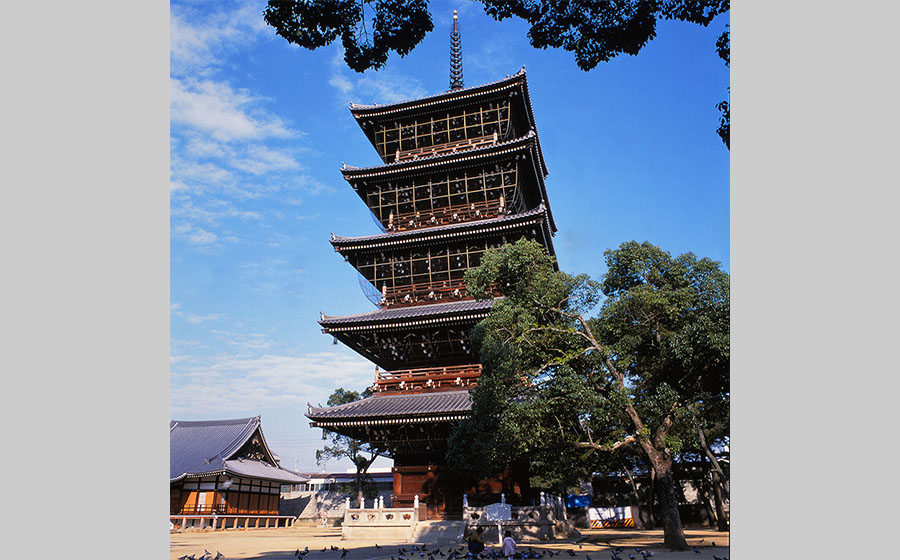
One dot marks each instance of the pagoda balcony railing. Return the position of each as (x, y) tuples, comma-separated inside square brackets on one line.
[(446, 215), (424, 379), (423, 293), (446, 148)]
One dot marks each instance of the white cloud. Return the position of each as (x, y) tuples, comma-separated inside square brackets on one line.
[(197, 44), (224, 113), (197, 319), (234, 384), (386, 85)]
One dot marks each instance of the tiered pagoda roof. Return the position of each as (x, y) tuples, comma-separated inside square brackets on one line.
[(513, 87), (416, 423), (538, 217)]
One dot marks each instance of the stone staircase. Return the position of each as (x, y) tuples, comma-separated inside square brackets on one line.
[(441, 533)]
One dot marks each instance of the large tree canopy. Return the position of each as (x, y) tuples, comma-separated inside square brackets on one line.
[(594, 31), (573, 394)]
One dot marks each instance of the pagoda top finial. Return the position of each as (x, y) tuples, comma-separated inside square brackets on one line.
[(456, 79)]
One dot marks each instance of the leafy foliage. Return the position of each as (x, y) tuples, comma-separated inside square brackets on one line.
[(395, 25), (594, 31), (599, 30), (560, 389), (723, 47)]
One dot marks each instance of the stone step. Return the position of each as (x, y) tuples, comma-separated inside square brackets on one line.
[(438, 532)]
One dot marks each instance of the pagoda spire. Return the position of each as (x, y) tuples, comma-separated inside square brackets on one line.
[(456, 79)]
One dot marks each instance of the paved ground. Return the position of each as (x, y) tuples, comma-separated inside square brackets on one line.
[(280, 544)]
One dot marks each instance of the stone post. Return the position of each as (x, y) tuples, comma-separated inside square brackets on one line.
[(347, 504), (543, 499), (380, 502), (502, 498), (465, 501), (416, 502)]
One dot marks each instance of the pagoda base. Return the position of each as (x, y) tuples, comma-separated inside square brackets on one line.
[(440, 490)]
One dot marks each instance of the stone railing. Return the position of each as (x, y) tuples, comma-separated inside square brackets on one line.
[(230, 521), (379, 522), (545, 521)]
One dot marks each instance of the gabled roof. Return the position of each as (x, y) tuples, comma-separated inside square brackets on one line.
[(365, 113), (395, 409), (463, 229), (408, 316), (361, 111), (209, 447)]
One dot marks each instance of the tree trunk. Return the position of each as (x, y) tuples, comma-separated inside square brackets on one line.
[(673, 531), (636, 507), (359, 489), (651, 497), (721, 520), (710, 456)]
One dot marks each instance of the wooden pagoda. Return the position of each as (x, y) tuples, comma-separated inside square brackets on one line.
[(462, 172)]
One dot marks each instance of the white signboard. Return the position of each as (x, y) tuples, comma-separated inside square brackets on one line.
[(608, 514), (497, 512)]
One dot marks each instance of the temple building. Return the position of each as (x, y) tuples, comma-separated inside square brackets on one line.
[(224, 467), (462, 172)]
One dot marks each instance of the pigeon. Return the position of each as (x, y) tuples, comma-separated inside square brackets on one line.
[(631, 557), (344, 553), (571, 552), (588, 557), (696, 550), (579, 546), (219, 556), (714, 543), (334, 548), (376, 546)]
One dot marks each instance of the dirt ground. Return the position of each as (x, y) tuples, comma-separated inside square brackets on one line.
[(280, 544)]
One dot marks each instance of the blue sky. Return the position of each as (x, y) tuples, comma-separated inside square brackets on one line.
[(259, 129)]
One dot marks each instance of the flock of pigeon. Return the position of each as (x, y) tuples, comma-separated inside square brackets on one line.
[(207, 555), (461, 554)]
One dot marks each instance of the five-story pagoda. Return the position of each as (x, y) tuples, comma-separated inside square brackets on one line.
[(463, 172)]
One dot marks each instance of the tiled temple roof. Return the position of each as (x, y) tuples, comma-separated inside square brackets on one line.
[(527, 142), (406, 165), (395, 409), (408, 316), (392, 239), (208, 447), (362, 113)]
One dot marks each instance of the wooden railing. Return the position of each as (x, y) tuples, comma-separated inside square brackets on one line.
[(218, 509), (423, 379), (447, 148), (423, 293), (446, 215)]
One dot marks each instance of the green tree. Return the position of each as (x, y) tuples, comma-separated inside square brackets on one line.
[(361, 454), (594, 31), (560, 388), (723, 47)]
